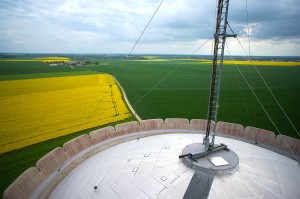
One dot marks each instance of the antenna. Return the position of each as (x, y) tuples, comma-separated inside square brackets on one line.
[(219, 159), (218, 56)]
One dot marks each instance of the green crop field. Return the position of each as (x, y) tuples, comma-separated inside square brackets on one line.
[(184, 92), (171, 88)]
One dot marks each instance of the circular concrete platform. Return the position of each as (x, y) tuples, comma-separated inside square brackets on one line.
[(217, 162), (150, 168)]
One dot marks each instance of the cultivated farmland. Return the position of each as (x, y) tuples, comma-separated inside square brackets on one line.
[(182, 92), (35, 110)]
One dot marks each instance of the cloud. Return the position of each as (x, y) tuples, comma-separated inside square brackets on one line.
[(267, 19), (94, 26)]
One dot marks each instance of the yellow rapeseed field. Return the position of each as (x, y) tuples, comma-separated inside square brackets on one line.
[(36, 110), (263, 63), (259, 63), (43, 59), (53, 59)]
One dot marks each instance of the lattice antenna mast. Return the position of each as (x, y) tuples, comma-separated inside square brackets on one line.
[(218, 56)]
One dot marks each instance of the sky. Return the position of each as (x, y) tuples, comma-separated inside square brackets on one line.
[(179, 27)]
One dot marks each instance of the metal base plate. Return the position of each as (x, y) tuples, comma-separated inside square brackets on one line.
[(218, 161), (207, 163)]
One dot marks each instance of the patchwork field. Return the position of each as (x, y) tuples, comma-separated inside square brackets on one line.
[(36, 110), (156, 87)]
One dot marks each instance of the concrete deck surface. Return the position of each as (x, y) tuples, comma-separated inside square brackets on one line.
[(150, 168)]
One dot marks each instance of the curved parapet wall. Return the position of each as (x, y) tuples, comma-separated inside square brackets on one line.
[(52, 161), (198, 124), (287, 143), (126, 128), (78, 144), (25, 184), (152, 124), (102, 134), (29, 181), (177, 123), (261, 136), (232, 129)]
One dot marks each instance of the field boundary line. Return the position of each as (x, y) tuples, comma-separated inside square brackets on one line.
[(126, 100)]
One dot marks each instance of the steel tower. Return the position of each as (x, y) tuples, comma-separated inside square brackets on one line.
[(218, 56)]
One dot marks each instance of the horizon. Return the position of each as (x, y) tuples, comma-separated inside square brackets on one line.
[(141, 54)]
